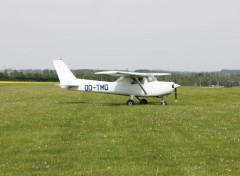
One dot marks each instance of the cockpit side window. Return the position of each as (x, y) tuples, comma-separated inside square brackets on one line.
[(141, 80), (134, 81)]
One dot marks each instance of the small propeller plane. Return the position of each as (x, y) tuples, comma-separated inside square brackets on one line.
[(133, 84)]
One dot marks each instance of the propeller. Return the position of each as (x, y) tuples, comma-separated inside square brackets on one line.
[(175, 89)]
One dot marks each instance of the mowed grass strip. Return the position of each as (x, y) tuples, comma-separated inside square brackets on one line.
[(45, 130)]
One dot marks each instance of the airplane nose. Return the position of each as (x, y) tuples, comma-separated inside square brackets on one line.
[(175, 85)]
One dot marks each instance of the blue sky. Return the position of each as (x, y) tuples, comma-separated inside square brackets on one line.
[(181, 35)]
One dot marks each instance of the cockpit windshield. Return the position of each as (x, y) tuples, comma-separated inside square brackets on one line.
[(151, 78)]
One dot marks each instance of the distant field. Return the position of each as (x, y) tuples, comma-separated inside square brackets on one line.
[(45, 130), (25, 82)]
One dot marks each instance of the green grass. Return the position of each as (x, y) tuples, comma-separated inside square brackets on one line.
[(45, 130)]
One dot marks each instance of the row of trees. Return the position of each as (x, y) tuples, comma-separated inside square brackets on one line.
[(206, 80), (184, 79), (41, 76)]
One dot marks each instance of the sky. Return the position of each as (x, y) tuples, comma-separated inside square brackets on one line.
[(174, 35)]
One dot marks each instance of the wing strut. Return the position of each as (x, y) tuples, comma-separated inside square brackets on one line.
[(140, 85)]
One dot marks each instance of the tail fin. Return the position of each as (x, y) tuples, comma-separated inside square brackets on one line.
[(65, 76)]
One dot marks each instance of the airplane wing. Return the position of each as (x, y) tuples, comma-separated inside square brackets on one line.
[(123, 73)]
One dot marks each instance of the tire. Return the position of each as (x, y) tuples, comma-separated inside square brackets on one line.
[(130, 102), (143, 101)]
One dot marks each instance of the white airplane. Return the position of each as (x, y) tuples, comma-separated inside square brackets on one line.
[(131, 84)]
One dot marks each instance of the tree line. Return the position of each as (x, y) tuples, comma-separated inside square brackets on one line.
[(209, 79), (39, 76)]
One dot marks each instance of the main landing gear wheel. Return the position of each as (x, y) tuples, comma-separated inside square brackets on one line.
[(143, 101), (130, 102)]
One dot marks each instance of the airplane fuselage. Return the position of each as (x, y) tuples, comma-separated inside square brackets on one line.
[(124, 87)]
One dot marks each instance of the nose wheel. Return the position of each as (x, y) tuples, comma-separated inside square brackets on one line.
[(163, 103)]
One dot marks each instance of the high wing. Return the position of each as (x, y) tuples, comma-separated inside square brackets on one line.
[(123, 73)]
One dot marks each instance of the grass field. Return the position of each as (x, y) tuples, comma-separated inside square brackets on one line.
[(45, 130)]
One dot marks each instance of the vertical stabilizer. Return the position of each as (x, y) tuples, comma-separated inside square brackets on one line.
[(65, 75)]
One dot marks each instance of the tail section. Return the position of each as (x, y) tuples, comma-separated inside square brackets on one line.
[(65, 75)]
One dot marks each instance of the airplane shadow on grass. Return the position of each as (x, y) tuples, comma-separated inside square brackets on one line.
[(93, 103), (107, 104)]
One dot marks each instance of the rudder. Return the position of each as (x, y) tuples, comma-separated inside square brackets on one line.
[(65, 75)]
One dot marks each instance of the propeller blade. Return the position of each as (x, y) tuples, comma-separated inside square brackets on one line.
[(175, 95)]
